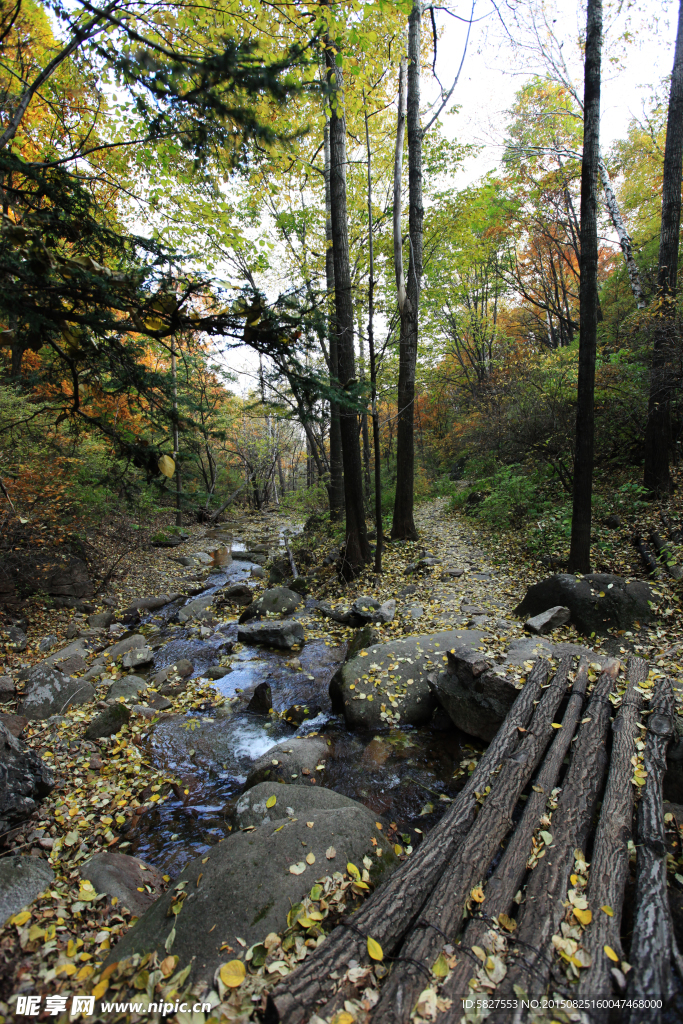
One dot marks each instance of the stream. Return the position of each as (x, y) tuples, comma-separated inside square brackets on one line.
[(405, 774)]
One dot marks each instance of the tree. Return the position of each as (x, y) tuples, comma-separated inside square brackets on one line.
[(579, 554), (656, 476)]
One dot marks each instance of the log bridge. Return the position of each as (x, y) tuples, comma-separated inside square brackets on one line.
[(546, 877)]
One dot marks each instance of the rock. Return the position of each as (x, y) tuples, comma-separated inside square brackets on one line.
[(49, 692), (157, 701), (290, 802), (475, 697), (184, 667), (300, 713), (138, 657), (407, 591), (415, 611), (217, 671), (25, 779), (129, 643), (411, 703), (173, 689), (196, 609), (291, 761), (450, 570), (21, 880), (150, 604), (47, 643), (528, 649), (240, 593), (284, 634), (366, 636), (16, 638), (342, 615), (613, 522), (673, 778), (367, 609), (276, 601), (14, 723), (258, 573), (101, 620), (127, 686), (261, 702), (424, 563), (620, 605), (108, 722), (246, 888), (567, 650), (547, 621), (7, 687), (70, 666), (122, 876)]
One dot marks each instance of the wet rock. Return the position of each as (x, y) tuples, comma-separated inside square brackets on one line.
[(157, 701), (102, 620), (47, 643), (246, 888), (217, 671), (290, 802), (196, 609), (261, 702), (7, 687), (173, 689), (276, 601), (127, 686), (122, 876), (21, 880), (293, 761), (476, 698), (284, 634), (300, 713), (138, 657), (547, 621), (129, 643), (365, 637), (597, 602), (150, 604), (240, 593), (402, 670), (108, 722), (342, 615), (50, 692), (14, 723), (184, 667), (16, 638), (25, 779)]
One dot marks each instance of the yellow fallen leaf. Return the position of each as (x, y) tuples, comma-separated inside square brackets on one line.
[(100, 988), (440, 968), (233, 973), (611, 954), (584, 916), (507, 923), (353, 871), (310, 858), (608, 910), (343, 1017), (21, 918), (574, 879), (398, 849), (271, 801), (557, 725), (477, 894), (374, 949)]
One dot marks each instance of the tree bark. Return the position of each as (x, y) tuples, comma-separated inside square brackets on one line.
[(579, 553), (336, 460), (379, 543), (656, 477), (356, 547), (403, 526), (390, 912), (623, 235)]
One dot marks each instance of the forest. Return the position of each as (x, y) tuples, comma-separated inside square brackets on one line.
[(331, 331)]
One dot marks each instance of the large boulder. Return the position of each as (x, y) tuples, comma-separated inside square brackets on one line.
[(127, 686), (255, 807), (295, 761), (25, 779), (597, 602), (135, 884), (139, 657), (285, 634), (21, 880), (197, 609), (243, 888), (49, 692), (388, 683), (476, 697), (65, 655), (277, 601)]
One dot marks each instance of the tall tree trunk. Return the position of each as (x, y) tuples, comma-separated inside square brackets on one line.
[(364, 415), (373, 361), (656, 477), (356, 548), (579, 553), (403, 525), (336, 463), (623, 235)]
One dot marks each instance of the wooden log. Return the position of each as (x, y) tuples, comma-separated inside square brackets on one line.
[(390, 912), (648, 559), (442, 916), (652, 942), (666, 556), (507, 879), (530, 959), (609, 863)]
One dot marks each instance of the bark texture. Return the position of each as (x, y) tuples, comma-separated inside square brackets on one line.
[(623, 235), (579, 553), (336, 490)]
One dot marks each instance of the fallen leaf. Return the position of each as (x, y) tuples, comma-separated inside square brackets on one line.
[(584, 916), (440, 968), (374, 949), (477, 894), (611, 954), (233, 973), (353, 871), (310, 858), (608, 911), (271, 801), (330, 853), (297, 869)]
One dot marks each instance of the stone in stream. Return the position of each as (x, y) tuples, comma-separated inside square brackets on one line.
[(255, 807), (401, 667), (108, 722), (21, 880), (476, 698), (49, 692), (196, 609), (276, 601), (25, 779), (547, 621), (150, 604), (261, 702), (127, 644), (366, 636), (122, 876), (300, 713), (597, 602), (285, 634), (127, 686), (239, 593), (246, 888), (294, 761), (139, 657)]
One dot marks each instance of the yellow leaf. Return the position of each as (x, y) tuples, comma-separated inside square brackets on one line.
[(310, 858), (166, 466), (353, 871), (85, 973), (477, 894), (100, 989), (557, 725), (608, 910), (611, 954), (398, 849), (233, 973), (21, 918), (374, 949), (574, 879), (440, 968), (343, 1018), (584, 916), (70, 948), (271, 801), (507, 923)]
